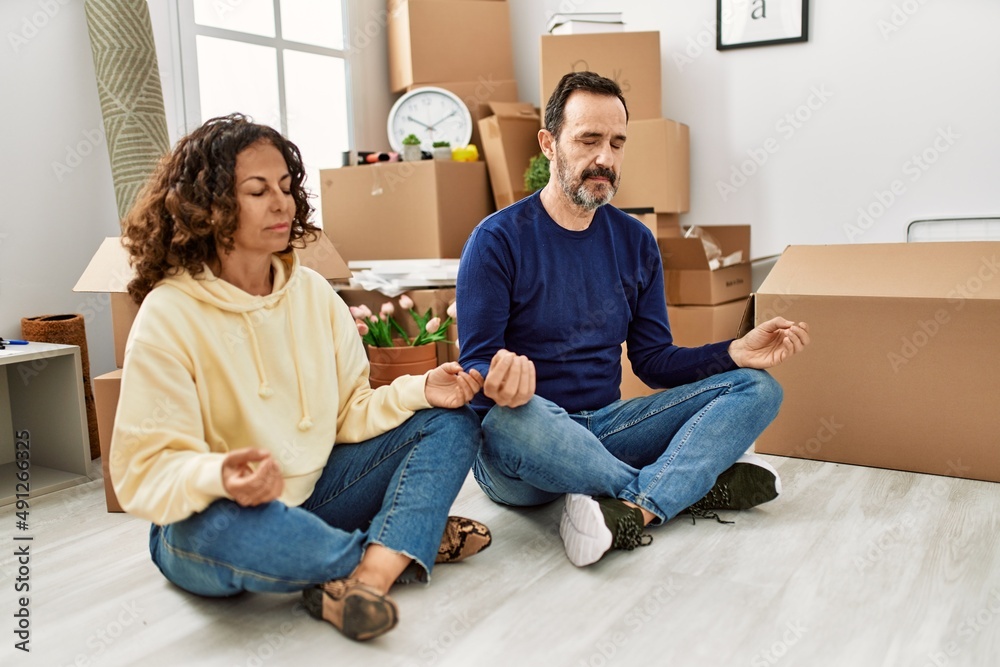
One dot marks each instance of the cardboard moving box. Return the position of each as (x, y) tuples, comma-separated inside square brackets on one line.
[(632, 59), (693, 326), (404, 210), (448, 40), (107, 389), (663, 225), (902, 369), (510, 140), (656, 172), (690, 281), (109, 272)]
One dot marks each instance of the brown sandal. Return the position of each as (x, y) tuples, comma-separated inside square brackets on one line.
[(359, 611)]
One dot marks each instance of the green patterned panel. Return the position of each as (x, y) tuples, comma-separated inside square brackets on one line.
[(128, 81)]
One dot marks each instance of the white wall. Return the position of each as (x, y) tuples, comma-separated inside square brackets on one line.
[(889, 97), (55, 175)]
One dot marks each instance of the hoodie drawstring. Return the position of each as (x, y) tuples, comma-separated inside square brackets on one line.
[(263, 389)]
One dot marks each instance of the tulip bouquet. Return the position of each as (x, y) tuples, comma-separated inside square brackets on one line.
[(380, 330)]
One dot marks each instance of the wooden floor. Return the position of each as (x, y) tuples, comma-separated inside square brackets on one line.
[(849, 567)]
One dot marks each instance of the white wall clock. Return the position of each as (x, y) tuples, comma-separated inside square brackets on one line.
[(433, 114)]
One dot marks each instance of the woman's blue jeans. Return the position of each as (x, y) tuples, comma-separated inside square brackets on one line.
[(394, 490), (662, 452)]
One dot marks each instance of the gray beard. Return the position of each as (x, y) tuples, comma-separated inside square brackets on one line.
[(579, 194)]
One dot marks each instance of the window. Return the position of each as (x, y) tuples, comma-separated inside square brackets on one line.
[(282, 62)]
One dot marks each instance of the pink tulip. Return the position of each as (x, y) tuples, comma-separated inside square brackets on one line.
[(405, 302), (357, 313), (433, 324), (365, 311), (452, 311), (362, 328), (373, 319), (387, 309)]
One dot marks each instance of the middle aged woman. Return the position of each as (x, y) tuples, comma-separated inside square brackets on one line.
[(247, 432)]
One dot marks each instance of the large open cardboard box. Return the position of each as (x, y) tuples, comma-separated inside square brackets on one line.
[(448, 40), (510, 140), (109, 272), (690, 281), (656, 172), (903, 365), (632, 59)]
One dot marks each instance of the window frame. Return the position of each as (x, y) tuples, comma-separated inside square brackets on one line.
[(184, 33)]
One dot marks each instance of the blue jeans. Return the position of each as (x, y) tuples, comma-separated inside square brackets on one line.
[(662, 452), (394, 490)]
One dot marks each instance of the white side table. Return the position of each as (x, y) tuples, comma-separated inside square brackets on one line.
[(41, 392)]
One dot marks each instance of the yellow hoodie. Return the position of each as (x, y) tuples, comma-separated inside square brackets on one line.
[(210, 369)]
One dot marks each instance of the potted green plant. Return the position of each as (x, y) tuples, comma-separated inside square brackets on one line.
[(537, 173), (391, 352), (411, 148), (442, 150)]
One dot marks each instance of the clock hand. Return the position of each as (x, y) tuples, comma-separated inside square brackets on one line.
[(441, 120), (414, 120)]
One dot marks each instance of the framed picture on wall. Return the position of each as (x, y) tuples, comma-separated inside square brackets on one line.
[(743, 23)]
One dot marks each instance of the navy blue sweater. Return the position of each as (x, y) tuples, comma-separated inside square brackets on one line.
[(567, 300)]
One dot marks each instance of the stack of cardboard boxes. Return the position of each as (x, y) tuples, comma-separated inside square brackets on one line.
[(109, 273), (463, 46), (426, 209), (703, 306)]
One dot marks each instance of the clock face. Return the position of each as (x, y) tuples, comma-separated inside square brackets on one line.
[(433, 114)]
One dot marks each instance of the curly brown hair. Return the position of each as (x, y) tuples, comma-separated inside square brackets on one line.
[(187, 210)]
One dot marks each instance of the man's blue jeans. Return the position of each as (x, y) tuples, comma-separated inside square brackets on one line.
[(394, 490), (662, 452)]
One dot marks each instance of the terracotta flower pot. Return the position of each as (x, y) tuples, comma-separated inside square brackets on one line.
[(388, 363)]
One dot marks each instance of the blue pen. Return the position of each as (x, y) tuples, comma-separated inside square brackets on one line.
[(4, 341)]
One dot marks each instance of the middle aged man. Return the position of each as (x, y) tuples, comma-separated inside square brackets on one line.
[(548, 289)]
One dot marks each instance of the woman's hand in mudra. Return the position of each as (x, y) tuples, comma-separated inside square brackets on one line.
[(250, 485), (448, 386)]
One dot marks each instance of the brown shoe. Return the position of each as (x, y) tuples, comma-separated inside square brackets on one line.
[(462, 538), (356, 609)]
